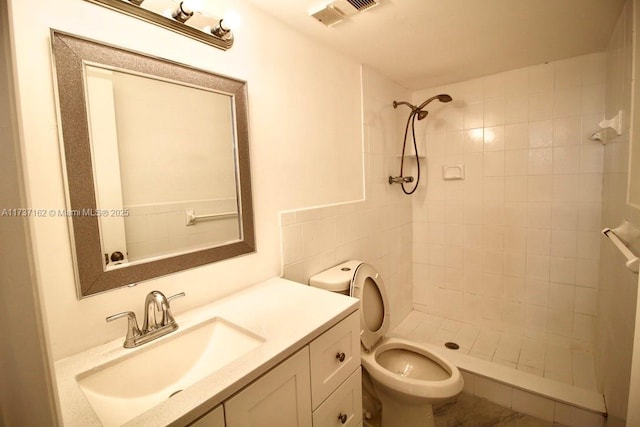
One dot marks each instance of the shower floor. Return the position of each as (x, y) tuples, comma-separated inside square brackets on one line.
[(547, 368)]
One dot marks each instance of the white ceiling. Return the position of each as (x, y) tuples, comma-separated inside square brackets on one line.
[(426, 43)]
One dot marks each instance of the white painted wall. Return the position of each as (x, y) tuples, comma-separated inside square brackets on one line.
[(306, 148), (25, 365), (376, 230)]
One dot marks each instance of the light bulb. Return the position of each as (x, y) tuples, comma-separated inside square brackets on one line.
[(185, 10), (225, 26), (231, 20), (190, 6)]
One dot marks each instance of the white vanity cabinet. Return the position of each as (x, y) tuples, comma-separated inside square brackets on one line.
[(319, 386), (279, 398), (336, 379), (334, 356), (344, 405)]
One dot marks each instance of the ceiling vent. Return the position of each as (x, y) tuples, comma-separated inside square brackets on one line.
[(362, 5), (336, 11), (328, 16)]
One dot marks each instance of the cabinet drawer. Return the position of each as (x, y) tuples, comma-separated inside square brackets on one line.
[(344, 407), (334, 355)]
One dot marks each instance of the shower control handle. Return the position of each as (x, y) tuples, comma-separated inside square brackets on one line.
[(340, 356), (342, 418), (400, 179)]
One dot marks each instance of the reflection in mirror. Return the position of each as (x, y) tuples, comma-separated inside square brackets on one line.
[(189, 164), (157, 164)]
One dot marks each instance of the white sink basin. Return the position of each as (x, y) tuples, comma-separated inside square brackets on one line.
[(126, 387)]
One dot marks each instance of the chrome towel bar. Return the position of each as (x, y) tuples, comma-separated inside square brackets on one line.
[(191, 216), (632, 259)]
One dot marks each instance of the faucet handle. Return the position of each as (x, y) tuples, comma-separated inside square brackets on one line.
[(172, 297), (133, 331)]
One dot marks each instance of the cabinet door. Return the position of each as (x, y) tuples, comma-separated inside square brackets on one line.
[(214, 418), (334, 356), (281, 397), (344, 406)]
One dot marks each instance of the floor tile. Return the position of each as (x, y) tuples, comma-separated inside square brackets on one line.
[(508, 348), (546, 356), (472, 411)]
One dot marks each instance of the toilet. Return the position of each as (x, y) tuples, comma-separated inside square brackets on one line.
[(406, 377)]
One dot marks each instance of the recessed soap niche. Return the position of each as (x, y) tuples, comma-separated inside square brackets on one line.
[(453, 172)]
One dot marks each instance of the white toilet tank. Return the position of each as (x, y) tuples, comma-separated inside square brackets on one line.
[(336, 279)]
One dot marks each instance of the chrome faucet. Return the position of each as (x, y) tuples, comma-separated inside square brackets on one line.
[(157, 313), (158, 320)]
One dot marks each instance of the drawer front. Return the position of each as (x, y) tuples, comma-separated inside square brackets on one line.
[(343, 408), (334, 356)]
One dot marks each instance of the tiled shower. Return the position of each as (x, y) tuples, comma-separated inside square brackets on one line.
[(515, 245)]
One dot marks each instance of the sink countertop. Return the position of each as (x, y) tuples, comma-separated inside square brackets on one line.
[(286, 314)]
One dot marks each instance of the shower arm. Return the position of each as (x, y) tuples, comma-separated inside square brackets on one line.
[(396, 104)]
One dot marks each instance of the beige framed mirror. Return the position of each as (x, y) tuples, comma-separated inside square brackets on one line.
[(156, 164)]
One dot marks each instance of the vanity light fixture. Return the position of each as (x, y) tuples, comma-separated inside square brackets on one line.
[(185, 17)]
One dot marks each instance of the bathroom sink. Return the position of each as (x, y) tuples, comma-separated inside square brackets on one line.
[(128, 386)]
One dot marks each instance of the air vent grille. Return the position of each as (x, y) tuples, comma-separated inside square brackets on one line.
[(338, 10), (362, 4), (328, 16)]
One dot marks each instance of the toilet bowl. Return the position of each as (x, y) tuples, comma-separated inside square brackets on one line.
[(406, 377)]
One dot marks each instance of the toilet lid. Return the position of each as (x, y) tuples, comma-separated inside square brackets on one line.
[(367, 286)]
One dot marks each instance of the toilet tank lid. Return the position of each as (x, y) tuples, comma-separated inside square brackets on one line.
[(336, 279)]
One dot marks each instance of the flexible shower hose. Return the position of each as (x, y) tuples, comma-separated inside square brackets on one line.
[(411, 120)]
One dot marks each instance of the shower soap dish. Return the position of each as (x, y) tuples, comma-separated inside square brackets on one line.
[(614, 123), (452, 172)]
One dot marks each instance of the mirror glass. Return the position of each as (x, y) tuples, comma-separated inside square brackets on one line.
[(157, 168), (188, 165)]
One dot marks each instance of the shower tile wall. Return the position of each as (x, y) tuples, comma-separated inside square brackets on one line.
[(514, 247), (376, 230)]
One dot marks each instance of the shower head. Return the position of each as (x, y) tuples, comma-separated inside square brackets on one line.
[(442, 98), (419, 110)]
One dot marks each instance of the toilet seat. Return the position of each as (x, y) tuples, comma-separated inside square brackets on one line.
[(368, 287), (433, 389)]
